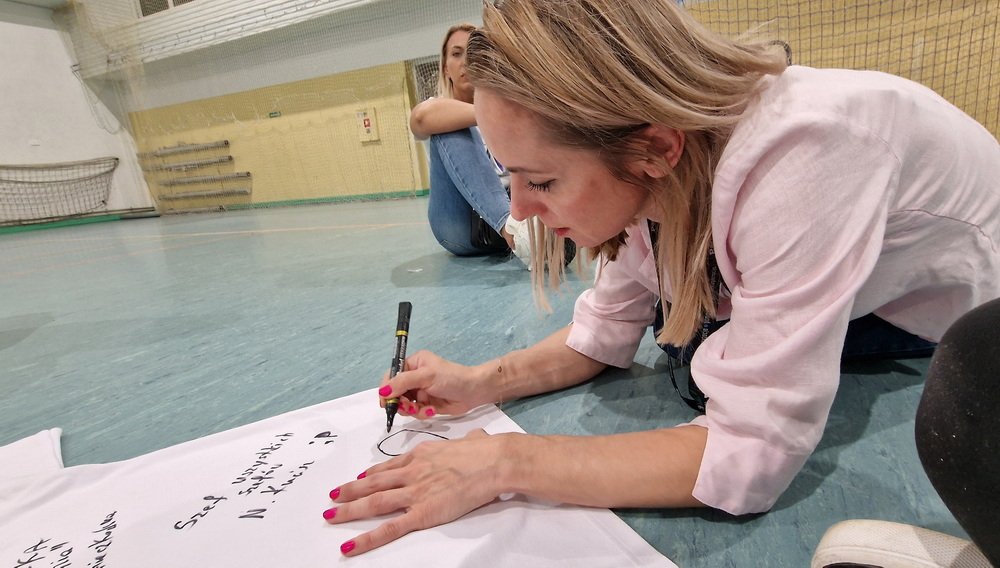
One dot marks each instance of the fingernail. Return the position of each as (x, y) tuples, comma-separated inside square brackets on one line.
[(430, 412), (385, 391), (330, 513), (362, 475), (413, 409), (335, 493), (347, 546)]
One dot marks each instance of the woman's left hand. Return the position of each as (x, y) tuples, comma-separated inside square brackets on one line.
[(435, 483)]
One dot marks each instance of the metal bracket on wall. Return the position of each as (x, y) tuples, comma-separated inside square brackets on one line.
[(210, 193), (187, 166), (204, 179), (183, 149)]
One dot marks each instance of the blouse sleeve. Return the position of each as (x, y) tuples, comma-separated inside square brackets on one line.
[(610, 318), (805, 231)]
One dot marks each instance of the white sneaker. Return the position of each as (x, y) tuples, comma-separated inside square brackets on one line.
[(522, 241), (894, 545)]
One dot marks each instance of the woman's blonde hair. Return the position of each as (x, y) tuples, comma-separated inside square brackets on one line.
[(596, 72), (445, 87)]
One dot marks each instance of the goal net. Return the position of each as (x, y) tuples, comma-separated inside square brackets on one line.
[(251, 103), (38, 192)]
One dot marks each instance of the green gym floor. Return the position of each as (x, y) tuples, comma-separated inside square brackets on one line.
[(135, 335)]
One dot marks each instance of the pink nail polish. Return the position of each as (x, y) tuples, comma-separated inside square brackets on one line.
[(362, 475), (347, 546), (330, 513), (430, 412), (385, 391), (334, 494), (413, 409)]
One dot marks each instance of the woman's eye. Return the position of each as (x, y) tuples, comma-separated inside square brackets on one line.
[(544, 186)]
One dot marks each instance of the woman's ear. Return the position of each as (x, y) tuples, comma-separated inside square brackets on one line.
[(663, 142)]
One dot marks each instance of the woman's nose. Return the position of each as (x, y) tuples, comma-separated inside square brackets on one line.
[(523, 202)]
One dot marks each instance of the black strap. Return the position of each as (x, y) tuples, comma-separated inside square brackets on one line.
[(696, 399)]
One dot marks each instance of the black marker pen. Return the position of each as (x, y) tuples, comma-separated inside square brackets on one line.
[(398, 359)]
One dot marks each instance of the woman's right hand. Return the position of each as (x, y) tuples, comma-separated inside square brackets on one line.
[(431, 385)]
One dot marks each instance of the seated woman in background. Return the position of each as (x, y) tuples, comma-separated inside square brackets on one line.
[(469, 208)]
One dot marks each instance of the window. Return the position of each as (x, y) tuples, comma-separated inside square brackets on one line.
[(149, 7), (425, 77)]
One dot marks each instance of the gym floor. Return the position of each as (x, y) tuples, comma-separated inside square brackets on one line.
[(140, 334)]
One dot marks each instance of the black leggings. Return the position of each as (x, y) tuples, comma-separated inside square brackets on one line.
[(868, 337), (958, 425)]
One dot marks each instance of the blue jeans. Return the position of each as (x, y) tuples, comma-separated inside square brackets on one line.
[(466, 198)]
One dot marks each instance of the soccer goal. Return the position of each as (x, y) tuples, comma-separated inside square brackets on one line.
[(43, 192)]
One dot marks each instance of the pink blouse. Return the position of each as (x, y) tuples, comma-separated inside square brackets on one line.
[(841, 193)]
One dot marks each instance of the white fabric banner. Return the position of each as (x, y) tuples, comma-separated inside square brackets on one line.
[(254, 496)]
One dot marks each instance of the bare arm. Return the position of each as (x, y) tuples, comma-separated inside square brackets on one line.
[(546, 366), (639, 469), (656, 468), (438, 115), (431, 385)]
